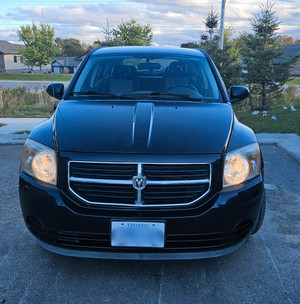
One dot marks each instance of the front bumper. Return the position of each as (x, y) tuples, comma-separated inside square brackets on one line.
[(216, 226), (142, 256)]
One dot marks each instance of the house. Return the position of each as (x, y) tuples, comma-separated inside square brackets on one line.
[(289, 51), (11, 60), (66, 65), (80, 58)]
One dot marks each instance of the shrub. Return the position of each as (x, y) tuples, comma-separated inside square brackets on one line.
[(21, 102), (291, 97)]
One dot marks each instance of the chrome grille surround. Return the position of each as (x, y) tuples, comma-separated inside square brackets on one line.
[(138, 201)]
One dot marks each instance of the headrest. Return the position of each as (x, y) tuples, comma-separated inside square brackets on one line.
[(177, 69), (121, 72)]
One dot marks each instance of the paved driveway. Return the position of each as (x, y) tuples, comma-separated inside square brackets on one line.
[(265, 270)]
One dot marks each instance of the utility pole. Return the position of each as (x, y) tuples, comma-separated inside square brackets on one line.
[(222, 25)]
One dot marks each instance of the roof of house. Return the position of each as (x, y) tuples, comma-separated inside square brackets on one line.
[(65, 61), (292, 49), (289, 51), (9, 48), (80, 58)]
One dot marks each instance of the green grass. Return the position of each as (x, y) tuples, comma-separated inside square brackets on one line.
[(22, 132), (35, 77), (286, 122), (294, 81), (29, 112), (19, 102)]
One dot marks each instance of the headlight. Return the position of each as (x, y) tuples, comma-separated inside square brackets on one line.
[(241, 164), (39, 161)]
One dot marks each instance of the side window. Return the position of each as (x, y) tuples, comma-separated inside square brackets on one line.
[(96, 76), (92, 77), (82, 83), (15, 59), (208, 86)]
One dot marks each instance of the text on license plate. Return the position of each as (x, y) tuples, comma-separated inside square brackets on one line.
[(137, 234)]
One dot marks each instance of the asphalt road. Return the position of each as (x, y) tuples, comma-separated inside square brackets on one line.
[(265, 270)]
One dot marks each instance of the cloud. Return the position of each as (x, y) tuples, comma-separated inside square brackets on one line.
[(288, 12), (173, 22), (9, 35)]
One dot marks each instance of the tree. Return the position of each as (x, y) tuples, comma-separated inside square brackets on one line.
[(211, 23), (132, 33), (108, 36), (260, 54), (70, 47), (190, 45), (126, 33), (39, 44), (227, 60), (285, 40)]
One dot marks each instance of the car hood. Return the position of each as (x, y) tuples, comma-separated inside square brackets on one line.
[(142, 127)]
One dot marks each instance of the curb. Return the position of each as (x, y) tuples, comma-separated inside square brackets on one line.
[(288, 142), (13, 139)]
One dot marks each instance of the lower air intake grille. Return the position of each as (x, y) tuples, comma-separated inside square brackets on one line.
[(173, 243)]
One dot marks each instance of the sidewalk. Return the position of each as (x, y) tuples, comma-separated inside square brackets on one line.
[(288, 142), (17, 125)]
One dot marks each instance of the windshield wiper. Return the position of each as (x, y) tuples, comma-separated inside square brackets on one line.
[(137, 95), (163, 95), (184, 96), (101, 95)]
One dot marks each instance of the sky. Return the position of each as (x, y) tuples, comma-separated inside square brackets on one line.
[(172, 21)]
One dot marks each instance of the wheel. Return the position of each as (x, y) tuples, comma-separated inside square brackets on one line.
[(261, 214)]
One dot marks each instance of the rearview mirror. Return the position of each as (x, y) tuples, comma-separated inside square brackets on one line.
[(56, 90), (238, 93)]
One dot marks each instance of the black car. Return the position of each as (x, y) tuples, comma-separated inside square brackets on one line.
[(143, 159)]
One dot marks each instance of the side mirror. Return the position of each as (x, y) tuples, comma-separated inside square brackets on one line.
[(56, 90), (238, 93)]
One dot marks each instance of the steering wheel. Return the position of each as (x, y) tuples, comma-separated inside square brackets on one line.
[(186, 85)]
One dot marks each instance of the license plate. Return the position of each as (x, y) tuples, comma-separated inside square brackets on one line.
[(137, 234)]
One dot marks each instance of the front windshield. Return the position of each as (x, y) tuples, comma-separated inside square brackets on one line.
[(153, 75)]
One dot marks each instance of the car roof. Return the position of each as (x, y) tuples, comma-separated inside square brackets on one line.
[(147, 49)]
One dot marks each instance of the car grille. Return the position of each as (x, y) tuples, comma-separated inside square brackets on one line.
[(139, 184), (173, 242)]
